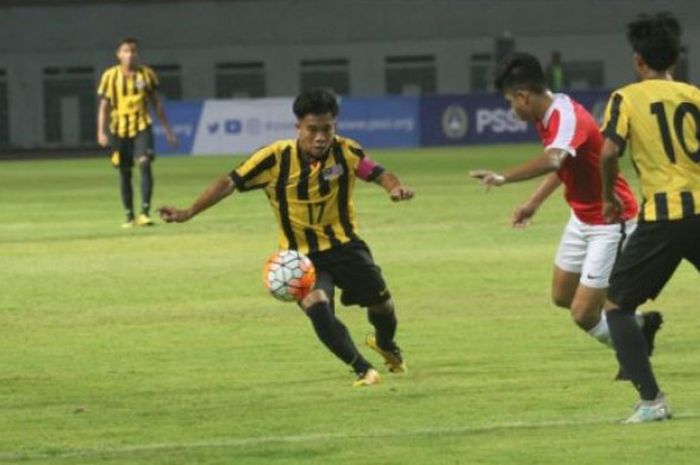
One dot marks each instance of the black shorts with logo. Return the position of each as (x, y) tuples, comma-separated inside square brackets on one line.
[(130, 148), (652, 254), (351, 268)]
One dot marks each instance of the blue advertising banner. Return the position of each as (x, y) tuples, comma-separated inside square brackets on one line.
[(485, 118), (239, 126), (184, 119), (470, 119), (381, 122)]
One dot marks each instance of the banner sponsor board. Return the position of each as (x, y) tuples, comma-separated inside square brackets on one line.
[(381, 122), (184, 119), (242, 126), (485, 118)]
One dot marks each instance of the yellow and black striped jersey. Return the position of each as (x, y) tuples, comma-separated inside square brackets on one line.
[(659, 120), (128, 97), (312, 199)]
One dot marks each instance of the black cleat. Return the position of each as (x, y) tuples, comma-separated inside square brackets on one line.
[(652, 325)]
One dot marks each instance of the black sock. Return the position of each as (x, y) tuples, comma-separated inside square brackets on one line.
[(335, 336), (127, 192), (385, 328), (631, 349), (146, 187)]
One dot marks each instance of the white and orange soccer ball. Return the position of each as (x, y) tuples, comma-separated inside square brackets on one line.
[(289, 275)]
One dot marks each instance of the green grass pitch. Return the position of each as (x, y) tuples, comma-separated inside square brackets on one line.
[(160, 346)]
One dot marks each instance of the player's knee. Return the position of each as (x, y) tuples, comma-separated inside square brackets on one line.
[(560, 300), (585, 314), (385, 307), (314, 297)]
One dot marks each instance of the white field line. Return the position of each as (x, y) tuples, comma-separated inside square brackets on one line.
[(233, 442)]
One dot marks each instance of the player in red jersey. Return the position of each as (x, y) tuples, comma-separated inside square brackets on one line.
[(572, 144)]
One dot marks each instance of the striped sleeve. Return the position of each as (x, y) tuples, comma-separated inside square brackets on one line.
[(151, 77), (616, 121), (256, 171), (104, 88)]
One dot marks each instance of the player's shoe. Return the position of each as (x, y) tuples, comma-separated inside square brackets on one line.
[(392, 358), (368, 378), (652, 325), (144, 220), (650, 410), (128, 224)]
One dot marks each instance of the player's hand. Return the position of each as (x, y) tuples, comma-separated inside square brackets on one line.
[(612, 209), (173, 214), (102, 139), (523, 214), (171, 139), (400, 193), (488, 178)]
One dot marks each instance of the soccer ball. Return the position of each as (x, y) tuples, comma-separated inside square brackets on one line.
[(289, 275)]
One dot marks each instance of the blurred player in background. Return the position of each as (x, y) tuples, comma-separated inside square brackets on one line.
[(309, 182), (660, 121), (572, 143), (126, 92)]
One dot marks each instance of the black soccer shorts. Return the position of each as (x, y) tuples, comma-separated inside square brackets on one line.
[(351, 268), (126, 149), (651, 256)]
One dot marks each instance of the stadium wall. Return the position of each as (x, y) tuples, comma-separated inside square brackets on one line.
[(75, 39)]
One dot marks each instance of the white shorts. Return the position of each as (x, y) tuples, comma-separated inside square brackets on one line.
[(591, 249)]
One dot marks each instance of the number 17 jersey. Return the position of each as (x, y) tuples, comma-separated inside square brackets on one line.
[(312, 199), (659, 121)]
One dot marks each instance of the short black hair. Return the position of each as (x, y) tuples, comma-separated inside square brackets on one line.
[(520, 71), (315, 102), (656, 38), (127, 40)]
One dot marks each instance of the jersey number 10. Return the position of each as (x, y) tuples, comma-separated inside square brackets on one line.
[(682, 110)]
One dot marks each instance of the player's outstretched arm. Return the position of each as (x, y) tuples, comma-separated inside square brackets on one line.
[(548, 162), (524, 213), (217, 190), (391, 183), (609, 169)]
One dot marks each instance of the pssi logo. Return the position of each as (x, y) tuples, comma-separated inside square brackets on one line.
[(499, 121), (455, 122)]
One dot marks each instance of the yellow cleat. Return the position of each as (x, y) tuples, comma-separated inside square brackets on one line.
[(128, 225), (392, 358), (144, 220), (369, 378)]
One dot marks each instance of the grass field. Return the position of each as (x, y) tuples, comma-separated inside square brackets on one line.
[(159, 345)]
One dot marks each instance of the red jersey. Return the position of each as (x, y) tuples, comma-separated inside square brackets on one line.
[(568, 126)]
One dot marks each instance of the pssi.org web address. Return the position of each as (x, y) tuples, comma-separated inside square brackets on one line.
[(381, 124)]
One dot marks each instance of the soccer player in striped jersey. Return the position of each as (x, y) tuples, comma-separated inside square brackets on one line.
[(126, 92), (572, 143), (659, 119), (309, 182)]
